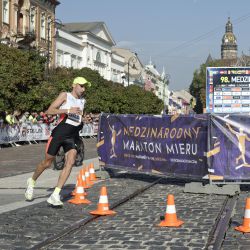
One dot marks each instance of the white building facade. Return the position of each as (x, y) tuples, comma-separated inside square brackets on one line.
[(181, 102), (69, 50), (156, 82), (117, 67), (132, 67), (88, 45)]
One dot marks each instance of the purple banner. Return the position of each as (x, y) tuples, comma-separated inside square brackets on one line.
[(229, 155), (175, 145)]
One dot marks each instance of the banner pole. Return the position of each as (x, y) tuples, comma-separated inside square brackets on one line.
[(209, 145)]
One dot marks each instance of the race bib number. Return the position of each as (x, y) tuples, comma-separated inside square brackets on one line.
[(74, 119)]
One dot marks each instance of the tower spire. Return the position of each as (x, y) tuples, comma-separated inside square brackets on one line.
[(150, 61), (229, 42), (163, 74)]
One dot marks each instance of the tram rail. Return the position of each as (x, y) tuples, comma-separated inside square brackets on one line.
[(81, 223), (214, 241)]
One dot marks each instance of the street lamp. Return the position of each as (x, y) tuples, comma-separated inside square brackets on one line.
[(166, 81), (133, 59), (57, 23)]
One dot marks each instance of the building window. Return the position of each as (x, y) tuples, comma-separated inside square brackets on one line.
[(73, 62), (79, 62), (59, 58), (115, 78), (6, 9), (98, 57), (43, 26), (32, 19), (49, 28)]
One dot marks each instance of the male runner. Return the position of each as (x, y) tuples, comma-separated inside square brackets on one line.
[(70, 108)]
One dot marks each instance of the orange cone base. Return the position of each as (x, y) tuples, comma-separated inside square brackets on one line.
[(108, 212), (243, 229), (78, 201), (74, 193), (94, 179), (171, 224)]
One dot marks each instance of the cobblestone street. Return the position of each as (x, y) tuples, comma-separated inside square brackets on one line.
[(135, 225), (26, 224)]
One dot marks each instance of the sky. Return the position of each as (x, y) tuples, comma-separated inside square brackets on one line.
[(176, 34)]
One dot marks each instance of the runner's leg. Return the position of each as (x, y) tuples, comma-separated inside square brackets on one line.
[(69, 146), (46, 163), (69, 162), (29, 193)]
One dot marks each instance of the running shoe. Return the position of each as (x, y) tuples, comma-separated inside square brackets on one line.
[(54, 200), (30, 190)]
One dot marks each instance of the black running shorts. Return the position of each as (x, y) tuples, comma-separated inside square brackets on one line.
[(54, 145)]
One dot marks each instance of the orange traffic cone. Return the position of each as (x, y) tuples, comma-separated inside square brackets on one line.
[(79, 177), (245, 227), (103, 205), (74, 191), (80, 194), (92, 172), (87, 177), (85, 184), (170, 216), (81, 182)]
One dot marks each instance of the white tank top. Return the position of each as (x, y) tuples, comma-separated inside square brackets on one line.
[(71, 101)]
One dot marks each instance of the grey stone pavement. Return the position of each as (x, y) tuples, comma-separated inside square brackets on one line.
[(17, 165), (23, 159), (234, 239), (26, 224), (135, 225)]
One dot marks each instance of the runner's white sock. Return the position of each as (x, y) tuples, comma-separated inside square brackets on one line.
[(32, 182), (57, 190)]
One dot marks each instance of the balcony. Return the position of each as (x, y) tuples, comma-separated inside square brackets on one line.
[(25, 40)]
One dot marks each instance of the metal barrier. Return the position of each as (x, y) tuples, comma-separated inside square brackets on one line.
[(33, 132)]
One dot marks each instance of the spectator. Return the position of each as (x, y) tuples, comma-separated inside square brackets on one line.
[(24, 117), (17, 115), (30, 118), (40, 117), (2, 117), (35, 115), (9, 118)]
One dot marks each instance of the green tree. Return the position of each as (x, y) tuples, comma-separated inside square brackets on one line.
[(20, 74), (24, 88), (198, 85), (107, 96)]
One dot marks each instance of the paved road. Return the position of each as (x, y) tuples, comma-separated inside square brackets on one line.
[(23, 159), (17, 165), (25, 224), (135, 225), (234, 239)]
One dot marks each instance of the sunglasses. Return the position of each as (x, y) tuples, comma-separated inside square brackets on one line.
[(82, 85)]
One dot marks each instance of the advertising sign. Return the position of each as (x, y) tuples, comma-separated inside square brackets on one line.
[(228, 90), (166, 144), (36, 132), (229, 144)]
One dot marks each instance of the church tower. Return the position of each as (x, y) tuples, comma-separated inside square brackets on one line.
[(229, 43)]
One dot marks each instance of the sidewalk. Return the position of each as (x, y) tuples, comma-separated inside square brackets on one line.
[(12, 188)]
